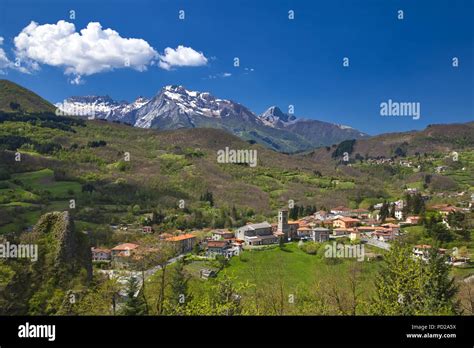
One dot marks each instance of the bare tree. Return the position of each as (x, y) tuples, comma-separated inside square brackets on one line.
[(466, 296), (355, 271)]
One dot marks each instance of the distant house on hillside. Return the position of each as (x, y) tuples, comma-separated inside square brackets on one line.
[(184, 243), (217, 247), (121, 254), (257, 234), (413, 220), (320, 234), (101, 254), (304, 232), (345, 222), (124, 249), (222, 234), (341, 210), (359, 213), (340, 231), (444, 209), (398, 214), (385, 235), (422, 251), (354, 235)]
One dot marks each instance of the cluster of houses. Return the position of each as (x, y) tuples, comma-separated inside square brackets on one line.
[(319, 227), (121, 255), (422, 252), (355, 224)]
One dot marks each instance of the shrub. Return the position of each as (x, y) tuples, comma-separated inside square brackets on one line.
[(97, 143), (310, 247)]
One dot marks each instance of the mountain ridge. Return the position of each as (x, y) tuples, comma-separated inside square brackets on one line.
[(175, 107)]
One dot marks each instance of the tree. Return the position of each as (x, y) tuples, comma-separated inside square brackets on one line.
[(439, 232), (384, 212), (100, 299), (165, 251), (354, 279), (208, 197), (439, 288), (14, 106), (466, 296), (392, 210), (409, 286), (226, 300), (293, 213), (222, 261), (398, 284), (179, 288), (134, 305), (457, 219), (88, 187)]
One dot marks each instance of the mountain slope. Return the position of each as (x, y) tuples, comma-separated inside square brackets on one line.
[(435, 138), (317, 133), (14, 98)]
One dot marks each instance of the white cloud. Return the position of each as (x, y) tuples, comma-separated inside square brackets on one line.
[(220, 75), (90, 51), (181, 56), (4, 61)]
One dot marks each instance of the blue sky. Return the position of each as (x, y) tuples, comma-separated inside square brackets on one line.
[(295, 62)]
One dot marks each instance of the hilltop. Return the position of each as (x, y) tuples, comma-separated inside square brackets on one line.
[(434, 138), (14, 98), (63, 266)]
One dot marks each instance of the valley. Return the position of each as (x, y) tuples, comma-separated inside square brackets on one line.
[(131, 192)]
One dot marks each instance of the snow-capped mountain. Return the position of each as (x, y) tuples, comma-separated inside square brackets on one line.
[(101, 107), (274, 117), (175, 107)]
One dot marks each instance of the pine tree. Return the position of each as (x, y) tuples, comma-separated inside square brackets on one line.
[(293, 214), (392, 211), (134, 304), (384, 212), (179, 288), (439, 288)]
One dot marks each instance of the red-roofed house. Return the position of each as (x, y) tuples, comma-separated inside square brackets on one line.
[(345, 222), (184, 242), (124, 249), (101, 254), (413, 220)]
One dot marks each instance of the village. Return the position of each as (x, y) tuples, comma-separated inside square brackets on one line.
[(353, 226)]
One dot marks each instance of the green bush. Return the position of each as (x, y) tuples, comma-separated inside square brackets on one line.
[(310, 247)]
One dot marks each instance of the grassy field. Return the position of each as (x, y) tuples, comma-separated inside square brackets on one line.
[(21, 201), (297, 271), (296, 268), (44, 180)]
